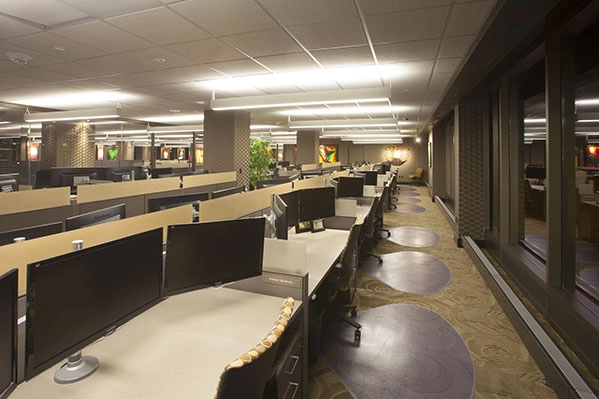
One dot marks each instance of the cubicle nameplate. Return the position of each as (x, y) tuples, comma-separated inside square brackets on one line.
[(278, 279)]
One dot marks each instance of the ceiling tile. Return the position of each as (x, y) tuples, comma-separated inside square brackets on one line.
[(438, 84), (225, 17), (407, 26), (290, 12), (148, 56), (288, 62), (407, 69), (239, 67), (350, 83), (407, 51), (455, 46), (78, 70), (47, 43), (103, 9), (468, 18), (11, 28), (373, 7), (317, 85), (114, 64), (447, 65), (206, 51), (37, 59), (91, 84), (176, 75), (13, 80), (241, 92), (103, 36), (264, 42), (47, 12), (322, 35), (348, 56), (168, 89), (123, 81), (160, 26), (42, 75)]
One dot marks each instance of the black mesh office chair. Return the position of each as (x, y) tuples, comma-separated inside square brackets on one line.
[(392, 189), (381, 208), (339, 282), (369, 235)]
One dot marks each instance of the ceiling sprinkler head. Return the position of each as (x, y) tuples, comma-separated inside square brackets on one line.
[(19, 58)]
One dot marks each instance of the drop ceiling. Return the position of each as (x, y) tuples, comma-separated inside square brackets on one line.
[(156, 57)]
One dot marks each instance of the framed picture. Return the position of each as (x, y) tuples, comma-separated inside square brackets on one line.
[(318, 225), (302, 227)]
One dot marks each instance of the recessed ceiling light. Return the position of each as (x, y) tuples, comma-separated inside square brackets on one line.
[(159, 60), (19, 58), (59, 48)]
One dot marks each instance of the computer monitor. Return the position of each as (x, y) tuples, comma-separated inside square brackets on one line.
[(172, 201), (156, 172), (350, 187), (272, 182), (535, 172), (100, 216), (227, 191), (65, 177), (76, 298), (8, 237), (292, 200), (279, 211), (316, 203), (200, 255), (385, 167), (8, 332)]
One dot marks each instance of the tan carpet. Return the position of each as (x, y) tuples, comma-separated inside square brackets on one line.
[(504, 368)]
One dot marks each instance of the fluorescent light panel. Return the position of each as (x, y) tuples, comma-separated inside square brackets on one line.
[(297, 99), (179, 129), (355, 110), (343, 123), (77, 115)]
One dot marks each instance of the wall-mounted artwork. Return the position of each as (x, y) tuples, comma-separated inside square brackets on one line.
[(593, 156), (327, 153), (397, 154), (113, 151)]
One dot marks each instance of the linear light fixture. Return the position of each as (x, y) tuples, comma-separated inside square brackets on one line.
[(337, 133), (381, 122), (176, 129), (75, 115), (375, 141), (307, 98)]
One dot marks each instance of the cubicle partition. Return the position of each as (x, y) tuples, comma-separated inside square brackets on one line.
[(18, 255), (211, 178)]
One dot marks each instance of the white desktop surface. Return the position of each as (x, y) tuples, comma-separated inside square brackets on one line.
[(322, 250), (177, 349)]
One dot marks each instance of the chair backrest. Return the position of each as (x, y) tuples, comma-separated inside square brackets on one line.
[(348, 261), (384, 201), (246, 376), (368, 226), (419, 172)]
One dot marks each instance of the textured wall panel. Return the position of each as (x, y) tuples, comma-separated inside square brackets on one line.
[(67, 145), (227, 143), (439, 181), (470, 198), (307, 146)]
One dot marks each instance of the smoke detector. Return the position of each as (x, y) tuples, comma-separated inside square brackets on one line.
[(19, 58)]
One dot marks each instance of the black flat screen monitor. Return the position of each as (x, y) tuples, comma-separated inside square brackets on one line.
[(8, 332), (227, 191), (279, 208), (200, 255), (76, 298), (535, 172), (316, 203), (292, 200), (100, 216), (7, 237), (350, 187), (385, 167), (156, 172), (371, 178), (162, 203)]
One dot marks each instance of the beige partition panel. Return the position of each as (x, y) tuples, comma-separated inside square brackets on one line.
[(18, 255), (101, 192), (210, 178), (331, 165), (314, 182), (310, 166), (341, 173), (31, 200), (237, 205)]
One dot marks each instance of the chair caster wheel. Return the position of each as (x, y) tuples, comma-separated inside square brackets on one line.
[(358, 335), (388, 234), (380, 261), (353, 313)]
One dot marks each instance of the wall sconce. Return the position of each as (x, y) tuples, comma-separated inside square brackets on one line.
[(32, 150)]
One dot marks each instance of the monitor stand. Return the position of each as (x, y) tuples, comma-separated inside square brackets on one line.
[(76, 368)]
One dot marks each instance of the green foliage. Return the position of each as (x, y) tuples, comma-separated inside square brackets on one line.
[(260, 157)]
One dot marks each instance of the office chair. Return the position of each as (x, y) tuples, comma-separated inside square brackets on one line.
[(417, 176), (369, 233), (392, 188), (339, 282), (252, 375), (380, 210)]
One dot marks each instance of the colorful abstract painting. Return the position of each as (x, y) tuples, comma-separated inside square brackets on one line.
[(327, 153), (113, 152), (593, 156)]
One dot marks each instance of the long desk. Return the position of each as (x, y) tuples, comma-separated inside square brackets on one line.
[(177, 349)]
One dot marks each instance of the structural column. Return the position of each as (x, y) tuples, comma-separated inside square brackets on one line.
[(67, 145), (307, 146), (227, 143)]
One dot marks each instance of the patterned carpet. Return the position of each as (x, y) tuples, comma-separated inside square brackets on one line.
[(504, 368)]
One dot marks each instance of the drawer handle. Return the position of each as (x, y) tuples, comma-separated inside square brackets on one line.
[(295, 360), (294, 386)]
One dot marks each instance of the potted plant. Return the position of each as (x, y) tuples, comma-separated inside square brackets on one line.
[(261, 157)]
